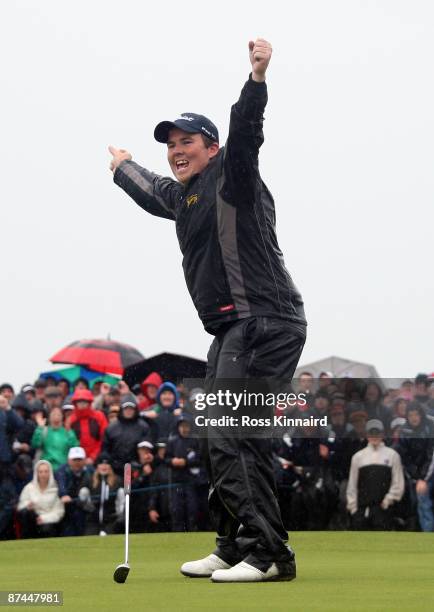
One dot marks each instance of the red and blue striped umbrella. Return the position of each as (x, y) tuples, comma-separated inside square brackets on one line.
[(100, 355)]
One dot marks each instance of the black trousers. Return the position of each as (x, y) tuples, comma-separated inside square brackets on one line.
[(243, 501), (185, 507), (30, 528), (373, 518)]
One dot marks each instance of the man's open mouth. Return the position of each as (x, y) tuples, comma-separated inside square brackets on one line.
[(181, 164)]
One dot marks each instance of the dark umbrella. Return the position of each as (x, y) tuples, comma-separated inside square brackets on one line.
[(100, 355), (170, 367)]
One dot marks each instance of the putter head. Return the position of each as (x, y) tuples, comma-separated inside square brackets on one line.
[(121, 572)]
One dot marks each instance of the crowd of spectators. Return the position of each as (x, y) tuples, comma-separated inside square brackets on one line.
[(63, 448)]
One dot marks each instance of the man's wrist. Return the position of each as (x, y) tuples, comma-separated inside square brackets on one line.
[(258, 78)]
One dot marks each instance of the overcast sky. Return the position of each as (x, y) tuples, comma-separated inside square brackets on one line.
[(348, 157)]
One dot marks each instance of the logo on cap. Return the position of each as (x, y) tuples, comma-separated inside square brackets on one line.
[(184, 118)]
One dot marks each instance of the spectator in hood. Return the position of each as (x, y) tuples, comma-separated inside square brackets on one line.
[(167, 409), (150, 387), (416, 447), (40, 509), (88, 424), (53, 440), (10, 424), (184, 459), (75, 482), (122, 436), (7, 391)]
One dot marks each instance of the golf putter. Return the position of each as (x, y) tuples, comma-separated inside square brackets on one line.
[(122, 571)]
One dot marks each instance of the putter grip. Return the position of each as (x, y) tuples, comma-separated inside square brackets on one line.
[(127, 478)]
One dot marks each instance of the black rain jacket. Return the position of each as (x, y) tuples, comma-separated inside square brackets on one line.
[(225, 223)]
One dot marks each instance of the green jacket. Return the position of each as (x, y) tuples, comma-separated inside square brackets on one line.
[(55, 444)]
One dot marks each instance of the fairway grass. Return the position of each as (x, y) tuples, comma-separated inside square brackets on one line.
[(337, 571)]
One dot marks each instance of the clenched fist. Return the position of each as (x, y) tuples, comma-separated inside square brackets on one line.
[(260, 54), (119, 155)]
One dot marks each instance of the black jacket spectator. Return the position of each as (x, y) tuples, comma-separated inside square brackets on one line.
[(180, 447), (10, 424), (23, 438), (8, 500), (108, 500), (160, 495), (184, 458), (416, 443), (122, 436)]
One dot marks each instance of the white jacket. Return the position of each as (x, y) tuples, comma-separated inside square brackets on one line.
[(46, 503), (382, 455)]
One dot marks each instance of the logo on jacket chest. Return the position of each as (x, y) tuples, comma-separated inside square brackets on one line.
[(192, 199)]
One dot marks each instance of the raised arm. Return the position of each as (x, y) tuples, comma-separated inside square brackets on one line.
[(155, 194), (245, 128)]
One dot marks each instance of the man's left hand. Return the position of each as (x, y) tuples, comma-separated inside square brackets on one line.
[(260, 54)]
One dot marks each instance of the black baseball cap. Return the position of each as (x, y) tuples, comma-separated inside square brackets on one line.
[(189, 122)]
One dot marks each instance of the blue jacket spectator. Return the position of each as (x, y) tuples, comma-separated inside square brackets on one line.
[(168, 408)]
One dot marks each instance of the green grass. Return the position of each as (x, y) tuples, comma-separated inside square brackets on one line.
[(337, 571)]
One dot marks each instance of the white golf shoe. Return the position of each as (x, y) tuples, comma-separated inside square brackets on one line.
[(203, 568), (243, 572)]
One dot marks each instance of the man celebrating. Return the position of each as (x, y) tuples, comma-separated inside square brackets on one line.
[(234, 270)]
